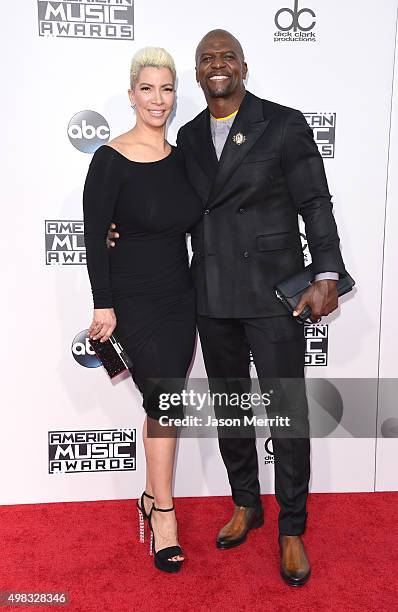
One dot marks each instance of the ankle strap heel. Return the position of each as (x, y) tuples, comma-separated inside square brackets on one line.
[(162, 509), (141, 506), (162, 557)]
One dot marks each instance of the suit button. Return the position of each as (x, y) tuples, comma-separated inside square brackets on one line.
[(271, 178), (207, 211), (242, 210), (245, 253)]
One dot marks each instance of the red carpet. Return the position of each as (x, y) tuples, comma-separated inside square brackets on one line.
[(91, 550)]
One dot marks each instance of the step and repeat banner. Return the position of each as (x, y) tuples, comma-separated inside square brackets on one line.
[(68, 432)]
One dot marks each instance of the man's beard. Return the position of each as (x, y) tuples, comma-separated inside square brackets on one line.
[(218, 94), (221, 92)]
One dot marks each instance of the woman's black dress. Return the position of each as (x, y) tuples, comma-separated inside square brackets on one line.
[(146, 276)]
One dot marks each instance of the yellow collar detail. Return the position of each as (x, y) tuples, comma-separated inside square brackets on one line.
[(225, 118)]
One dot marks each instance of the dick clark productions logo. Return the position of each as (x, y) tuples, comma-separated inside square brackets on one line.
[(88, 130), (295, 25), (269, 452)]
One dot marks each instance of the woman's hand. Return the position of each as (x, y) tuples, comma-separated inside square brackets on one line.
[(111, 236), (104, 322)]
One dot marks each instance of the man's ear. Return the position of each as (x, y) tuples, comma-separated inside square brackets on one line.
[(245, 70)]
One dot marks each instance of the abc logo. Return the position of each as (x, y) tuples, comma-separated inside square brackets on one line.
[(268, 446), (88, 130), (82, 351)]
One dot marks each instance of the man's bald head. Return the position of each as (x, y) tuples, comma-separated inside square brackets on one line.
[(221, 68), (219, 37)]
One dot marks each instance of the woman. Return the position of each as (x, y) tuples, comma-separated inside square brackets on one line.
[(143, 289)]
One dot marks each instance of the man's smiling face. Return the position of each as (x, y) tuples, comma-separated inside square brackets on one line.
[(220, 65)]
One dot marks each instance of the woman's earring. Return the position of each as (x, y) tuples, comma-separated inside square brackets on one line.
[(133, 106)]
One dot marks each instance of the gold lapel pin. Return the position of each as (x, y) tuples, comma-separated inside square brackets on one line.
[(239, 138)]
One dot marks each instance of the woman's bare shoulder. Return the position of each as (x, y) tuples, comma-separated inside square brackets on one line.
[(122, 143), (134, 149)]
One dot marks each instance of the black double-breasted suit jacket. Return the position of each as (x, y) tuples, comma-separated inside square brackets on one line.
[(270, 171)]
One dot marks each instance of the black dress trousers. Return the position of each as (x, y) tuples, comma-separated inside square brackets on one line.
[(278, 348)]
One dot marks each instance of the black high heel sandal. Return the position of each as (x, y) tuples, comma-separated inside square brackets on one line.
[(142, 515), (162, 557)]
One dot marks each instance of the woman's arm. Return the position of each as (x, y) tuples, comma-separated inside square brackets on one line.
[(99, 201)]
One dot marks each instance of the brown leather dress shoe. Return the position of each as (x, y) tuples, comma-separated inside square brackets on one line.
[(295, 567), (235, 532)]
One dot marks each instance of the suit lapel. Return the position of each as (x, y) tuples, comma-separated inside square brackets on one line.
[(202, 145), (249, 124)]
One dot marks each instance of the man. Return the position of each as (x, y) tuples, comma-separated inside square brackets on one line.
[(255, 165)]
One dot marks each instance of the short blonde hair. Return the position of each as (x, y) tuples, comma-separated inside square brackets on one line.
[(155, 57)]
